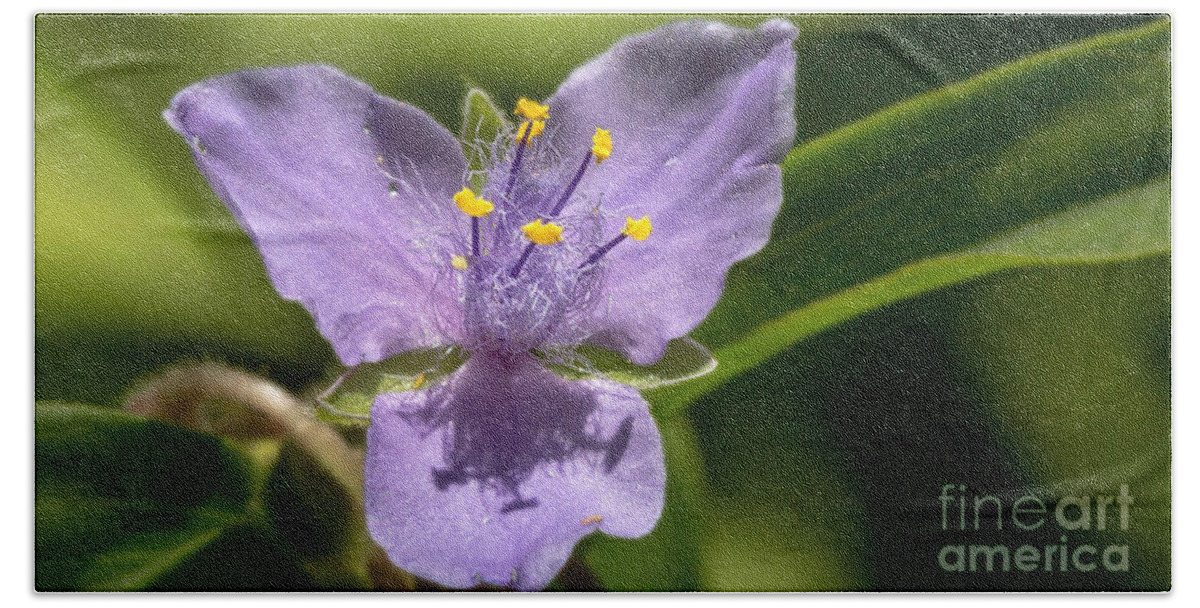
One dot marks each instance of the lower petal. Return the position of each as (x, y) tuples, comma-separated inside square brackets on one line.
[(493, 476)]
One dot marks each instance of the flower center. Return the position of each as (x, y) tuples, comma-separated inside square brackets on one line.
[(517, 296)]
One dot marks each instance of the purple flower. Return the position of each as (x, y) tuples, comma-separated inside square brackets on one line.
[(362, 209)]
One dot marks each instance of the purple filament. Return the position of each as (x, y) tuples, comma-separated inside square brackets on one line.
[(516, 270), (562, 202), (516, 166), (474, 236), (595, 257)]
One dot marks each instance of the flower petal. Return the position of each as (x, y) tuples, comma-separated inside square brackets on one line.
[(338, 187), (495, 475), (699, 113)]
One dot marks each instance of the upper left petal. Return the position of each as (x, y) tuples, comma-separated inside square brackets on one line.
[(295, 154)]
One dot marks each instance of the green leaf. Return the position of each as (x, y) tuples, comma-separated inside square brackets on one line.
[(248, 557), (1075, 365), (1005, 170), (944, 171), (684, 359), (128, 503), (1131, 224), (1134, 224), (829, 454), (349, 400), (317, 516), (120, 500), (851, 66)]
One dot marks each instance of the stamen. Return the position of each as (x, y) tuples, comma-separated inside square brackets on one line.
[(516, 166), (638, 230), (601, 150), (476, 208), (562, 201), (537, 115), (538, 233), (458, 262)]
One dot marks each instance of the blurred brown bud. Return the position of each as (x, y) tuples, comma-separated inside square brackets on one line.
[(217, 399)]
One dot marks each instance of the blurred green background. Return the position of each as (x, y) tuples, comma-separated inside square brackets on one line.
[(969, 283)]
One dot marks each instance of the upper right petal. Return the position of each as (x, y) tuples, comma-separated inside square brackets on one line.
[(700, 115), (346, 195)]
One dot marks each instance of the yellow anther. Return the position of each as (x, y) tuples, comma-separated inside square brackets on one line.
[(418, 381), (532, 110), (472, 205), (459, 262), (536, 130), (601, 145), (542, 234), (638, 230)]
